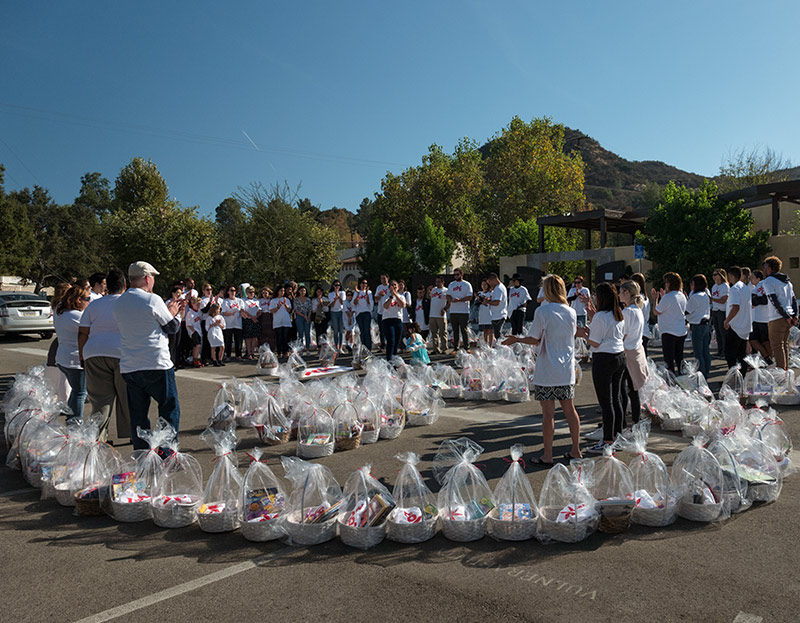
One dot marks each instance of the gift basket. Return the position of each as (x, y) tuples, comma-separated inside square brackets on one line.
[(370, 418), (663, 410), (414, 519), (785, 388), (219, 511), (224, 409), (494, 383), (757, 466), (733, 382), (92, 476), (360, 355), (347, 426), (296, 364), (247, 399), (465, 499), (263, 502), (697, 475), (517, 388), (692, 380), (656, 504), (178, 489), (267, 361), (271, 424), (367, 505), (514, 518), (130, 490), (447, 380), (327, 354), (315, 433), (567, 510), (422, 405), (582, 351), (393, 416), (769, 428), (758, 383), (472, 379), (735, 498), (37, 444), (314, 503), (612, 488)]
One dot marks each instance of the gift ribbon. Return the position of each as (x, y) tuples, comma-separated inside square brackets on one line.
[(519, 460)]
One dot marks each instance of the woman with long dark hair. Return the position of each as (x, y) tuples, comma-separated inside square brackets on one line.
[(319, 309), (393, 305), (671, 313), (281, 309), (302, 316), (232, 309), (66, 322), (698, 315)]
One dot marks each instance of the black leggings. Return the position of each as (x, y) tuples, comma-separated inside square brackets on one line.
[(393, 331), (282, 340), (630, 394), (672, 348), (232, 337), (517, 320), (735, 350), (607, 371)]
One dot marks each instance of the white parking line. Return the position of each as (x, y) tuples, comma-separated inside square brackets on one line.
[(39, 352), (186, 587), (743, 617)]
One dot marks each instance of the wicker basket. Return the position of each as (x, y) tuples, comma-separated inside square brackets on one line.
[(754, 398), (246, 421), (175, 515), (314, 450), (423, 418), (469, 394), (564, 532), (361, 538), (411, 532), (451, 392), (309, 533), (263, 530), (704, 513), (615, 519), (34, 478), (655, 517), (521, 530), (390, 432), (226, 521), (279, 439), (463, 531), (370, 436), (494, 396), (517, 397), (786, 399), (270, 370), (347, 443), (88, 507), (670, 423), (64, 496), (131, 511)]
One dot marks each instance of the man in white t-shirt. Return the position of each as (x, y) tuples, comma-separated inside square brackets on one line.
[(719, 299), (518, 298), (380, 293), (575, 297), (759, 336), (144, 322), (436, 318), (498, 303), (97, 282), (459, 296), (738, 320), (99, 346), (782, 309)]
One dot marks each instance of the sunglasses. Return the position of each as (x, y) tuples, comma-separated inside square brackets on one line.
[(86, 298)]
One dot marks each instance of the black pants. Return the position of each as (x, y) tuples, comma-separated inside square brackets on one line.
[(393, 331), (630, 394), (233, 338), (320, 329), (497, 327), (282, 340), (672, 348), (718, 322), (459, 323), (381, 331), (517, 320), (645, 342), (205, 353), (607, 371), (735, 350)]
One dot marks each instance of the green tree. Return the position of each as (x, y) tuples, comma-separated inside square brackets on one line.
[(18, 244), (95, 194), (140, 185), (434, 250), (230, 223), (522, 238), (745, 168), (692, 231), (387, 251)]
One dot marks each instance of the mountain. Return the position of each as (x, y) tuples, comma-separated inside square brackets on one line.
[(614, 182)]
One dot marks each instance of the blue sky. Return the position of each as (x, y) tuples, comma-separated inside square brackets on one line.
[(336, 94)]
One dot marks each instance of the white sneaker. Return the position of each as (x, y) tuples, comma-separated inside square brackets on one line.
[(597, 448), (595, 435)]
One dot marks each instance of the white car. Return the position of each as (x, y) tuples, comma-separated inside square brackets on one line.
[(23, 312)]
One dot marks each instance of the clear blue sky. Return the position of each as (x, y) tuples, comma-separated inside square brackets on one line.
[(336, 94)]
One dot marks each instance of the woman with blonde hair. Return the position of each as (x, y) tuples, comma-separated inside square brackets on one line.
[(553, 330), (635, 360)]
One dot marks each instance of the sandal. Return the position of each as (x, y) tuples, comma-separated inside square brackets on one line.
[(537, 460), (568, 457)]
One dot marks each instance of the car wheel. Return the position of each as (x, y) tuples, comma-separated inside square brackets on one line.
[(46, 335)]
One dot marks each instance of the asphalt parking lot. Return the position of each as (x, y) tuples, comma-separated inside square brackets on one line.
[(61, 568)]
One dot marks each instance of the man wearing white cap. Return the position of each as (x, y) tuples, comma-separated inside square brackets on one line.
[(144, 322)]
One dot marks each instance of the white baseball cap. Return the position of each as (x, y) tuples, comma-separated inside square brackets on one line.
[(141, 269)]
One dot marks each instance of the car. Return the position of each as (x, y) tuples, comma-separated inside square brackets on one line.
[(23, 312)]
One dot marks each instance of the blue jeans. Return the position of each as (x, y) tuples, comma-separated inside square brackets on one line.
[(303, 329), (364, 321), (701, 345), (76, 377), (142, 386), (337, 324), (393, 330)]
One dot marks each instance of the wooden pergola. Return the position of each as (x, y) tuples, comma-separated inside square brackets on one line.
[(764, 194), (601, 219)]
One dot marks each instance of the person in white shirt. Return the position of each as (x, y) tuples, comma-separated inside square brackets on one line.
[(553, 329), (437, 319), (636, 371), (281, 308), (98, 284), (66, 322), (459, 296), (576, 295), (518, 298), (193, 319), (671, 313), (719, 298), (498, 303), (99, 345), (232, 310), (759, 337), (206, 298), (363, 302), (738, 321), (349, 319), (422, 310), (782, 309), (251, 327), (380, 294), (144, 321), (215, 324), (483, 298), (319, 311), (265, 319), (189, 291), (336, 300), (646, 309), (392, 318), (698, 315)]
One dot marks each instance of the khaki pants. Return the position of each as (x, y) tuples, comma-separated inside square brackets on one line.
[(105, 384), (439, 332), (779, 341)]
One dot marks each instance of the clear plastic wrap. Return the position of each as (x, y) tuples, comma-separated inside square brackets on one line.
[(785, 390), (758, 467), (422, 405), (733, 383), (263, 501), (314, 503), (271, 424), (369, 416), (296, 364), (393, 416), (347, 426), (267, 360), (178, 490), (567, 510), (360, 356), (219, 511), (315, 432), (367, 505), (447, 380), (612, 487), (224, 408), (517, 388), (32, 442), (769, 428), (692, 380), (516, 514), (722, 448), (697, 476), (327, 354), (415, 517), (758, 383)]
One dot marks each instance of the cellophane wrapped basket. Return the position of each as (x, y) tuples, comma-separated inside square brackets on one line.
[(785, 387), (248, 399), (422, 405), (370, 418), (267, 361), (612, 488), (315, 433), (178, 489), (517, 389), (472, 378), (37, 444), (393, 416), (224, 410), (567, 511), (494, 382), (692, 380), (758, 382), (219, 511), (360, 356), (465, 499), (734, 382), (656, 504), (415, 517), (697, 476), (263, 502), (327, 354), (366, 507), (314, 503), (756, 465), (769, 428), (271, 424), (515, 517), (447, 380), (347, 426)]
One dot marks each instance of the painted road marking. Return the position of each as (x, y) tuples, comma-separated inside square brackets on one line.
[(39, 352), (743, 617), (186, 587)]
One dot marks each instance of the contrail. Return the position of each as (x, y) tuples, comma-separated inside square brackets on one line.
[(251, 140)]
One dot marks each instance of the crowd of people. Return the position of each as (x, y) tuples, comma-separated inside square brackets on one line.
[(120, 343)]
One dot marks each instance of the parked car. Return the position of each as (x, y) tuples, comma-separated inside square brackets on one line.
[(23, 312)]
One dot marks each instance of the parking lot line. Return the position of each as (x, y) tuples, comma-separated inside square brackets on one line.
[(39, 352), (186, 587), (743, 617)]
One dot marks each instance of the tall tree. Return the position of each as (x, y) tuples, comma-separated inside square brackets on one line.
[(750, 167), (230, 222), (18, 244), (140, 185), (95, 194), (434, 250)]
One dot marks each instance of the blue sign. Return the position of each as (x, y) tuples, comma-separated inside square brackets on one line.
[(638, 252)]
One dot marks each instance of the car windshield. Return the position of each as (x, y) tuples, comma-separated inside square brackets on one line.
[(7, 297)]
